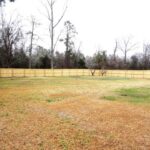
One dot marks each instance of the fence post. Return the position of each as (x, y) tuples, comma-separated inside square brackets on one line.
[(125, 73), (34, 73), (53, 73), (24, 72), (62, 72), (132, 74), (12, 73), (69, 72), (44, 73)]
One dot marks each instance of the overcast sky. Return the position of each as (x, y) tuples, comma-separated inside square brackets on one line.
[(98, 22)]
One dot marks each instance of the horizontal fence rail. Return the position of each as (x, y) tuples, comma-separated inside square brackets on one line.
[(43, 72), (141, 74)]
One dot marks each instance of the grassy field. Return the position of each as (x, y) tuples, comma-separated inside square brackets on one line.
[(67, 113)]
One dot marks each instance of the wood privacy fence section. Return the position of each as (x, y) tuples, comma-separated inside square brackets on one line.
[(142, 74)]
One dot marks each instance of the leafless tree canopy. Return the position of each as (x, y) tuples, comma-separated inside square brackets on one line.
[(115, 49), (53, 23), (10, 35), (33, 36), (126, 45)]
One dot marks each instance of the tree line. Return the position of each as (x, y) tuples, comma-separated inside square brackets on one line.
[(15, 53)]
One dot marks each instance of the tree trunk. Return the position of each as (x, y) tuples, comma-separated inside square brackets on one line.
[(52, 37)]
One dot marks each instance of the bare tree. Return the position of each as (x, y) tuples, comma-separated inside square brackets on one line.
[(78, 53), (32, 38), (49, 7), (146, 55), (10, 36), (126, 45), (115, 50), (90, 64)]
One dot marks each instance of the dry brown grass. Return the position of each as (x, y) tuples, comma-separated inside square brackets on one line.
[(70, 113)]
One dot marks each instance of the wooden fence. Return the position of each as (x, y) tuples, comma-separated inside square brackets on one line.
[(145, 74), (43, 72), (141, 74)]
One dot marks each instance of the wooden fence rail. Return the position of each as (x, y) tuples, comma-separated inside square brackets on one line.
[(43, 72), (142, 74)]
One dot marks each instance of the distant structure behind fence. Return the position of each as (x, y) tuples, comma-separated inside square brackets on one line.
[(141, 74)]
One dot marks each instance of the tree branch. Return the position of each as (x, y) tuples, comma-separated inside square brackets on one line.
[(60, 18), (57, 39)]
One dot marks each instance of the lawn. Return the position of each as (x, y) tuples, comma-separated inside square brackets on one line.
[(67, 113)]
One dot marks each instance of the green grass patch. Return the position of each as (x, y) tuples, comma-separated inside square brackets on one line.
[(101, 78), (134, 95), (2, 104), (64, 144), (110, 98), (51, 100)]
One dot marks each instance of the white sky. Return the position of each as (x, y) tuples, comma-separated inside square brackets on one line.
[(98, 22)]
